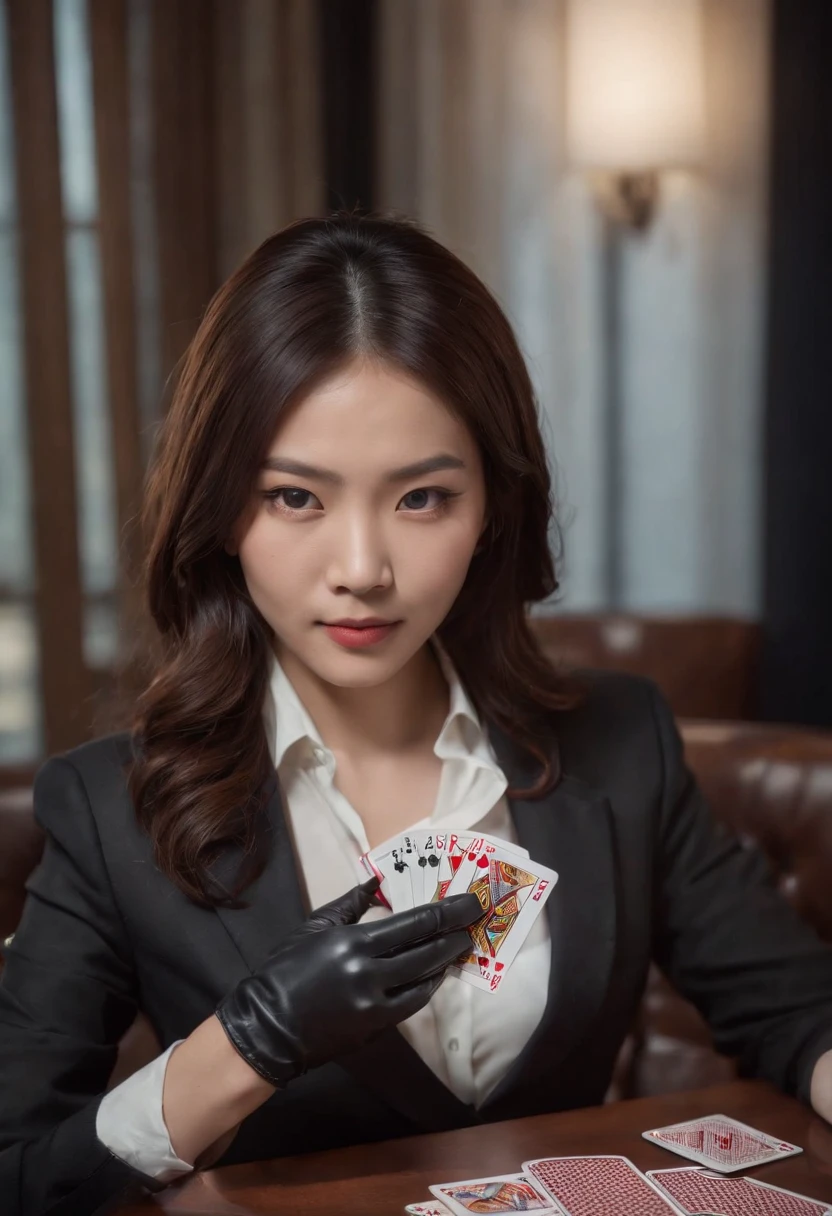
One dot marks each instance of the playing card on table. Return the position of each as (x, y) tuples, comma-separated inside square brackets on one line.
[(428, 1208), (697, 1190), (512, 892), (499, 1193), (599, 1186), (721, 1143)]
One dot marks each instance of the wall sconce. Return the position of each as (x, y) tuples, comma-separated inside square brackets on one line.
[(634, 108), (634, 97)]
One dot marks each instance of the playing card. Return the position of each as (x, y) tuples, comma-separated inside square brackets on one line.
[(499, 1193), (393, 866), (697, 1190), (721, 1143), (599, 1186), (416, 867), (430, 848), (428, 1208), (512, 892), (456, 846)]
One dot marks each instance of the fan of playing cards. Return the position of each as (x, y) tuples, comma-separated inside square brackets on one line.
[(613, 1186), (421, 867)]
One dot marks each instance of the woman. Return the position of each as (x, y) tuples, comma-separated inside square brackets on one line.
[(353, 436)]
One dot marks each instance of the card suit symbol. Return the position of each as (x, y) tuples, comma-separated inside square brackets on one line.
[(423, 861), (434, 860), (483, 961), (482, 862), (499, 966), (472, 857)]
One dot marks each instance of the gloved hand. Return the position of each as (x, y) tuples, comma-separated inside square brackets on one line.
[(333, 984)]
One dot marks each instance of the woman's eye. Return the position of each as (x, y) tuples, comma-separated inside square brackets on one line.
[(291, 500)]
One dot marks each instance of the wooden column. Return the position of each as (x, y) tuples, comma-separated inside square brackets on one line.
[(184, 135), (108, 35), (64, 680)]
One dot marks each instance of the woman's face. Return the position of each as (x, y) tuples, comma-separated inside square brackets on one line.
[(348, 537)]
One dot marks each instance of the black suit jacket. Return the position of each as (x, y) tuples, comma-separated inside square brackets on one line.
[(645, 873)]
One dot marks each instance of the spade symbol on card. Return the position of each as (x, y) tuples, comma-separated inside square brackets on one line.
[(434, 860)]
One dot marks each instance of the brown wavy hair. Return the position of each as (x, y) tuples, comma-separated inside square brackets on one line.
[(311, 297)]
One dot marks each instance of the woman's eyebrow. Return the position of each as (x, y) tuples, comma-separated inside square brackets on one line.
[(431, 464)]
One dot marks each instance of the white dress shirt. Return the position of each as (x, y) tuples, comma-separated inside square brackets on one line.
[(469, 1038)]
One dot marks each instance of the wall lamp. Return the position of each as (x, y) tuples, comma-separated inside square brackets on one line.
[(634, 98)]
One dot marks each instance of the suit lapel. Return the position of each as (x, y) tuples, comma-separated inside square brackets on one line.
[(568, 830), (276, 903)]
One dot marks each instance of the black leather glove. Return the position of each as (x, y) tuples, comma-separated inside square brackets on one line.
[(333, 984)]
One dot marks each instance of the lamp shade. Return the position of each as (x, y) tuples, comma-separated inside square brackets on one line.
[(634, 91)]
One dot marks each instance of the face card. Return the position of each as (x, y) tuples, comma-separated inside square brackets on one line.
[(696, 1191), (721, 1143), (500, 1193), (600, 1186), (452, 854), (512, 897), (428, 1208)]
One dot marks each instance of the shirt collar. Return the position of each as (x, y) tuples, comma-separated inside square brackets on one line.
[(461, 736)]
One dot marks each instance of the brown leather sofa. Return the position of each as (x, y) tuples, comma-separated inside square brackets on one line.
[(706, 666), (772, 784)]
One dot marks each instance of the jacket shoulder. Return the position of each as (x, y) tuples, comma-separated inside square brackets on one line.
[(616, 697), (100, 767), (614, 730), (99, 754)]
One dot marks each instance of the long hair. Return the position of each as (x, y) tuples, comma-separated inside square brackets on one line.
[(311, 297)]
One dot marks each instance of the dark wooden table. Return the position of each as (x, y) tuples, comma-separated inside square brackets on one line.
[(379, 1179)]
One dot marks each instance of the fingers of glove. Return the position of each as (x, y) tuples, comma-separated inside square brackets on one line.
[(419, 962), (407, 1001), (346, 909), (416, 924)]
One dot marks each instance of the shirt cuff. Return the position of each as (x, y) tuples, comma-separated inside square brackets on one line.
[(817, 1046), (131, 1124)]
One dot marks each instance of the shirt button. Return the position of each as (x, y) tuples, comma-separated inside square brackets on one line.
[(453, 1044)]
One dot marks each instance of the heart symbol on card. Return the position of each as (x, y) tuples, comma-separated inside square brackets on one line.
[(472, 857), (499, 966), (482, 862)]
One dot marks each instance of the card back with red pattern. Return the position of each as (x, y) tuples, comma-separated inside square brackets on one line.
[(600, 1186), (697, 1191)]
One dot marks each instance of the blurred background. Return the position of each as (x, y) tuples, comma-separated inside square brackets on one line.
[(643, 184)]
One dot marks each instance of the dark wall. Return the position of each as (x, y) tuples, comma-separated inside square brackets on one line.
[(797, 663)]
